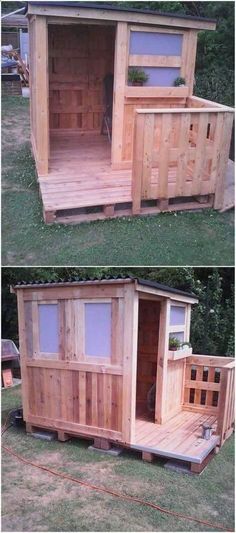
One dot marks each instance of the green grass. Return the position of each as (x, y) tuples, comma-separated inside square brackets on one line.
[(33, 500), (200, 238)]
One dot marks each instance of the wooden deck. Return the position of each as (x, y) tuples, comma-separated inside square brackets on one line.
[(80, 177), (179, 438)]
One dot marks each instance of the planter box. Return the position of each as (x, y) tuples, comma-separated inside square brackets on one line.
[(179, 354)]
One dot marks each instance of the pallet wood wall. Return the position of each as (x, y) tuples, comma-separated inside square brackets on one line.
[(68, 390), (80, 56), (130, 106), (148, 332), (180, 154), (175, 384)]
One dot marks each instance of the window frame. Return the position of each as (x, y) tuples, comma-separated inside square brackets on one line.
[(37, 353), (157, 60), (182, 328)]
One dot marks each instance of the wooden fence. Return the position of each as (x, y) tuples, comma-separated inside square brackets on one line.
[(209, 388), (180, 153)]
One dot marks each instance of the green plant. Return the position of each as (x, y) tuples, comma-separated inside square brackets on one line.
[(137, 75), (174, 343), (179, 81)]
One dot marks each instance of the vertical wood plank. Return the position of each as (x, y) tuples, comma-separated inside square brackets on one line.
[(41, 94), (23, 354), (200, 153), (120, 74), (82, 397), (94, 400), (224, 156), (35, 329), (191, 59), (164, 155), (129, 363), (182, 164), (223, 402), (76, 396), (137, 162), (107, 382), (147, 155), (216, 151), (162, 362), (61, 309)]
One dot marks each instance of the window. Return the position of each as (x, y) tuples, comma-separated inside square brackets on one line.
[(48, 328), (98, 329), (177, 315), (178, 335), (150, 43)]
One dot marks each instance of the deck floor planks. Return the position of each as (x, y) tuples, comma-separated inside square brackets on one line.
[(179, 437), (80, 176)]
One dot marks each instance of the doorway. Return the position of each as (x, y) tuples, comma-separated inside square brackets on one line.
[(148, 335), (81, 57)]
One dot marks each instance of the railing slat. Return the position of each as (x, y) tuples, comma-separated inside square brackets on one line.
[(147, 155), (200, 153), (137, 162), (164, 151), (182, 158), (224, 156)]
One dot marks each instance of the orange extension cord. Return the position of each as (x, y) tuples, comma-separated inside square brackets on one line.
[(108, 491)]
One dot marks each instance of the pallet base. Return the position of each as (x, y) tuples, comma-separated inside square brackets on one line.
[(76, 216), (108, 447)]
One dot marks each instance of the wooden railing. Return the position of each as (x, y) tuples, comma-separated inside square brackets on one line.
[(226, 402), (180, 153), (209, 388)]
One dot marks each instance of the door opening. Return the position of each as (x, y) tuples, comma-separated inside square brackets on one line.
[(81, 71), (148, 334)]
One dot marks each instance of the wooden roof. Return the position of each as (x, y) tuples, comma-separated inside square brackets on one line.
[(118, 13), (142, 285)]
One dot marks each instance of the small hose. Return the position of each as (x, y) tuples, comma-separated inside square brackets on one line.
[(108, 491)]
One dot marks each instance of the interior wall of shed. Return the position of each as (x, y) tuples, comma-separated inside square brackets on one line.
[(80, 56), (148, 334)]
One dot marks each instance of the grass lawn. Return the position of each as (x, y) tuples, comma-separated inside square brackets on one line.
[(202, 238), (33, 500)]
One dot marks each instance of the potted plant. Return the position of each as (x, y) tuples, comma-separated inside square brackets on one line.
[(188, 344), (174, 344), (179, 82), (137, 77)]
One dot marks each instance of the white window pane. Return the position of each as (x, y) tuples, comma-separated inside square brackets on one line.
[(150, 43), (161, 76), (177, 315), (98, 329), (178, 335), (48, 328)]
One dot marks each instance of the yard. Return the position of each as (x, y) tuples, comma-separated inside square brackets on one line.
[(200, 238), (33, 500)]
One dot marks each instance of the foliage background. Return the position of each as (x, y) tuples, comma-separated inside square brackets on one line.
[(212, 324), (215, 54)]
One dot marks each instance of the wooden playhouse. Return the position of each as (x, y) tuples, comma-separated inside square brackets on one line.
[(168, 149), (92, 350)]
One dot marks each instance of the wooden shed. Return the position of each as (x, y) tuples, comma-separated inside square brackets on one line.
[(92, 353), (165, 149)]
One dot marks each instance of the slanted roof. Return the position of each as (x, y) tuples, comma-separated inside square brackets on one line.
[(76, 281), (107, 11)]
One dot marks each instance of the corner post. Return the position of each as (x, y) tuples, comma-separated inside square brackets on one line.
[(120, 75), (129, 362), (23, 353), (162, 362), (41, 94)]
